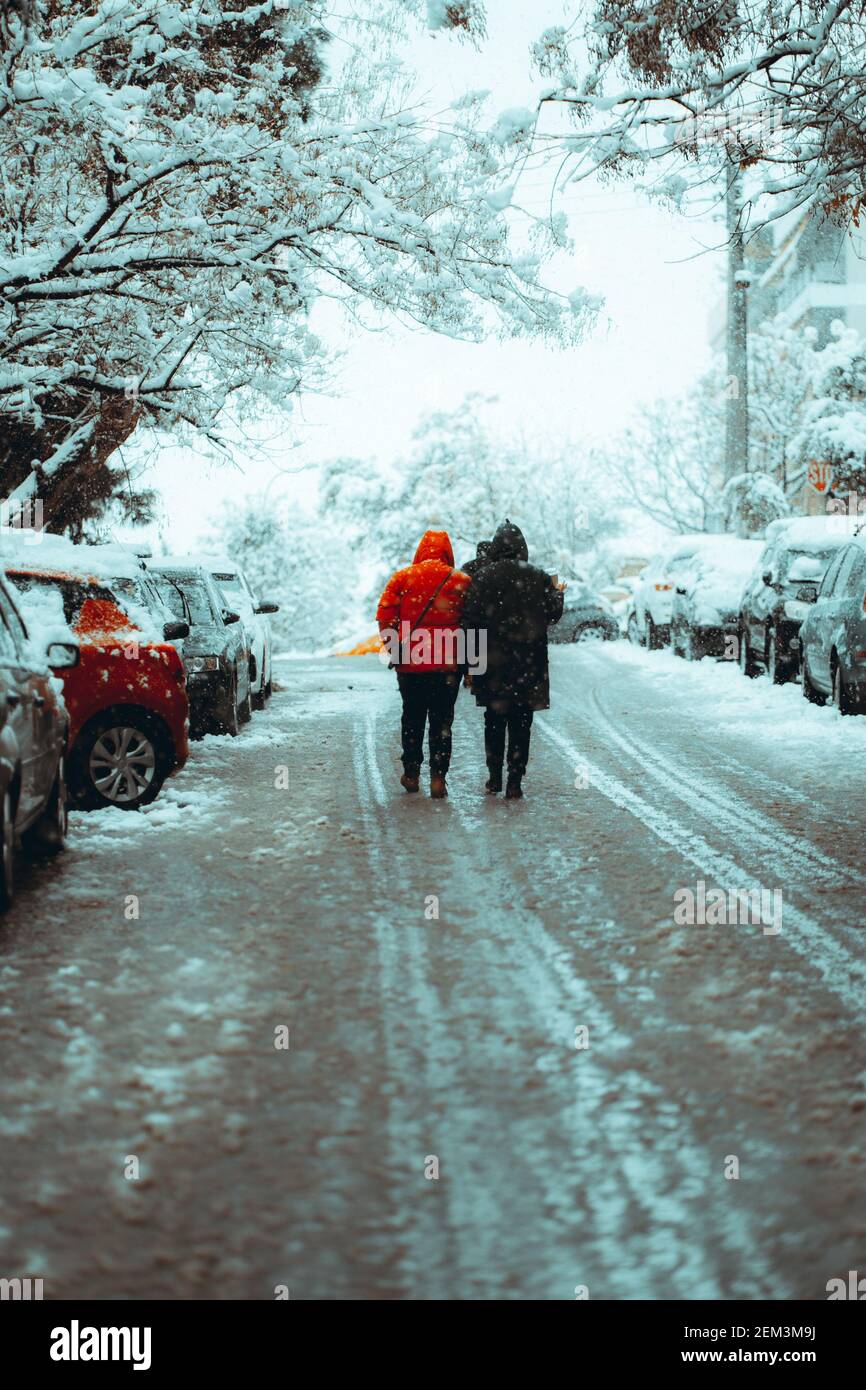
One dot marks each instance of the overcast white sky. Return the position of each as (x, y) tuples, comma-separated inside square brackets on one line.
[(659, 295)]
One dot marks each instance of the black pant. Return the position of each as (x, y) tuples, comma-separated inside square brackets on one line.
[(428, 697), (517, 721)]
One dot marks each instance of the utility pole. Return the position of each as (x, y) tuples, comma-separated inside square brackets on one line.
[(737, 395)]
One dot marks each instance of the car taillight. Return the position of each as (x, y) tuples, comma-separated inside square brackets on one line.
[(663, 587)]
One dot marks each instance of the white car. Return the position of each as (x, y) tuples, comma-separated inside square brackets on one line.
[(648, 621), (240, 597)]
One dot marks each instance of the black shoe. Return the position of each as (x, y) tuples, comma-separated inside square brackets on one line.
[(513, 789), (493, 785)]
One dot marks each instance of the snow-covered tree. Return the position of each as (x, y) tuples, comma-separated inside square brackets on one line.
[(180, 184), (777, 87), (669, 459), (750, 501), (462, 478), (781, 365), (296, 560), (833, 425)]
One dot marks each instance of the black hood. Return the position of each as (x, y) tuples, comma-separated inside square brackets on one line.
[(482, 551), (508, 543)]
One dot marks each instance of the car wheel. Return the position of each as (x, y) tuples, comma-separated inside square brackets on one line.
[(778, 669), (842, 697), (689, 646), (7, 849), (259, 699), (121, 761), (653, 640), (632, 631), (269, 688), (590, 634), (814, 696), (50, 831), (245, 710), (229, 722), (745, 658)]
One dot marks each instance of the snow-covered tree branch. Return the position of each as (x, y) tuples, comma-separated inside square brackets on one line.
[(181, 181)]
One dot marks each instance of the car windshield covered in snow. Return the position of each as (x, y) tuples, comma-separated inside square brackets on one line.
[(234, 593), (76, 598), (197, 596), (796, 566)]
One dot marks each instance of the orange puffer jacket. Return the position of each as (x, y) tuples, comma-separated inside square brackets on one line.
[(434, 642)]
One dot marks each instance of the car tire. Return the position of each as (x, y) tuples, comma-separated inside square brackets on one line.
[(228, 722), (48, 835), (245, 709), (842, 697), (118, 755), (259, 699), (632, 631), (745, 659), (814, 696), (653, 640), (778, 670), (7, 852), (269, 688)]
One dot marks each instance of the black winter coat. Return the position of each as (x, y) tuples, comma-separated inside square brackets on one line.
[(514, 602)]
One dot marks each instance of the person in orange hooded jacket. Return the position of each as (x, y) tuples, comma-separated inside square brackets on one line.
[(419, 617)]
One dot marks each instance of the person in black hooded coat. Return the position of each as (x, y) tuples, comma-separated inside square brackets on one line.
[(514, 603)]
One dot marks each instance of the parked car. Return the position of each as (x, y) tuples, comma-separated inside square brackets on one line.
[(832, 636), (34, 729), (216, 653), (648, 615), (586, 617), (240, 597), (708, 584), (796, 554), (126, 698)]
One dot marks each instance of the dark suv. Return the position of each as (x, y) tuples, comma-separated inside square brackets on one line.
[(795, 558), (833, 636), (216, 654)]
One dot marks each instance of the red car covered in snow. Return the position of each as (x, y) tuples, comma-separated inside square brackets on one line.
[(126, 699)]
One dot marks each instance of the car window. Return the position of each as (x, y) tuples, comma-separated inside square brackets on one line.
[(849, 558), (830, 577), (851, 580), (198, 596), (8, 647), (13, 618)]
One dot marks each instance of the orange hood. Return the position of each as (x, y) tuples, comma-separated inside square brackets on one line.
[(434, 545)]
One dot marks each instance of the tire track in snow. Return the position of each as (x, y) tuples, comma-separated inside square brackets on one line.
[(700, 796), (661, 1185), (841, 974), (435, 1259)]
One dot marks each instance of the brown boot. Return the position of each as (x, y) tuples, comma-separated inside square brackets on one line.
[(438, 788), (410, 781)]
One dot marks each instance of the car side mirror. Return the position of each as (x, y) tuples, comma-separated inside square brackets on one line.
[(767, 577), (229, 617), (267, 606), (808, 594), (63, 655), (172, 632), (680, 589)]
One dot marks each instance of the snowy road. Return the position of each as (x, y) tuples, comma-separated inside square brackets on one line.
[(151, 1040)]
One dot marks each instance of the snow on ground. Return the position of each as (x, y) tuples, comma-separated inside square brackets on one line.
[(454, 1035), (726, 700)]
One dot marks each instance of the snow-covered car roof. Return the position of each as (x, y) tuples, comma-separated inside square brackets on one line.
[(189, 564), (727, 557), (44, 550), (810, 532)]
